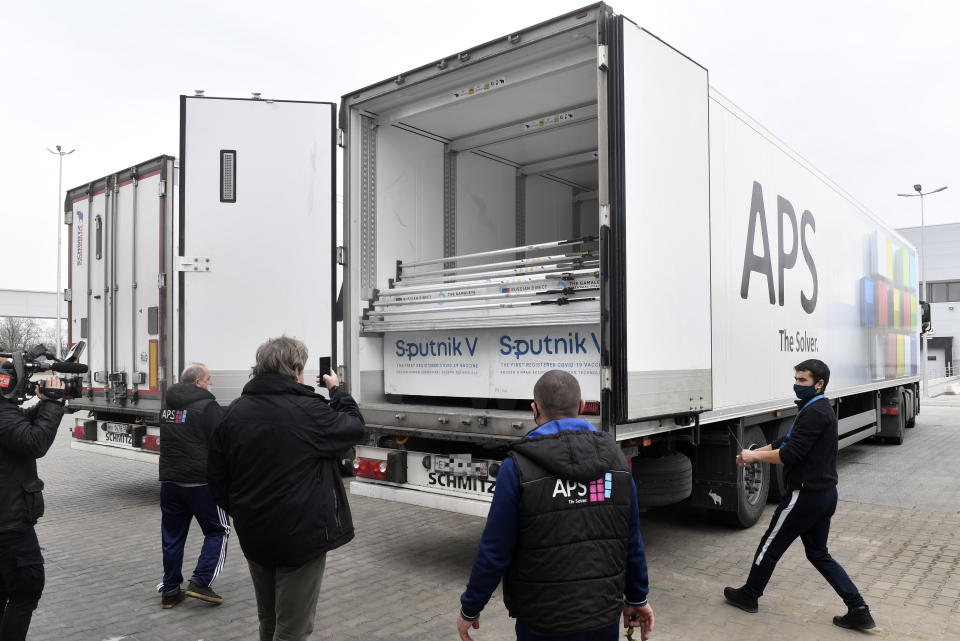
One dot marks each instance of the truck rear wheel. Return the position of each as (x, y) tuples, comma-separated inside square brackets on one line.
[(663, 480), (753, 483), (908, 401)]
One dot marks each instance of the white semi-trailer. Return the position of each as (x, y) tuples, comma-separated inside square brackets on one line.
[(201, 259), (573, 195)]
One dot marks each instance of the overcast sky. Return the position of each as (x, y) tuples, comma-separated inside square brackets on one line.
[(865, 90)]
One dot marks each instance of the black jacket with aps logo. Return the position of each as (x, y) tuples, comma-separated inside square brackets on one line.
[(569, 565), (187, 422)]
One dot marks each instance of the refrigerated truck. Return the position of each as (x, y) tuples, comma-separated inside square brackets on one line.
[(573, 195), (201, 258), (685, 260)]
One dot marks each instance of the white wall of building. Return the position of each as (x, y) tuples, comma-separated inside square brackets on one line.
[(29, 304), (941, 244)]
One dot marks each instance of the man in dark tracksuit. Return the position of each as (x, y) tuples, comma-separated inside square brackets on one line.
[(808, 453), (563, 531), (275, 467), (24, 437), (187, 422)]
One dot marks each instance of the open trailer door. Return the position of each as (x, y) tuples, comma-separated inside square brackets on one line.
[(659, 263), (257, 232)]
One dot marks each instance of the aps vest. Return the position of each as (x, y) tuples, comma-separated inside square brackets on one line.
[(569, 565)]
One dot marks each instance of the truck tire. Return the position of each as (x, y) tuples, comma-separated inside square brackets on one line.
[(753, 483), (778, 487), (908, 401), (663, 480)]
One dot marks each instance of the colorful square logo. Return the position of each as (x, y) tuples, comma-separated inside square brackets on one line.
[(601, 488)]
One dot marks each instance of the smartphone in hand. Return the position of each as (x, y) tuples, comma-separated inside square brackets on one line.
[(325, 366)]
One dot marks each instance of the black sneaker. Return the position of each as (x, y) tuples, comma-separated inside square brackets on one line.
[(171, 597), (856, 619), (737, 597), (203, 592)]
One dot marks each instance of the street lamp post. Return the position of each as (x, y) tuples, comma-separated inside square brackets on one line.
[(59, 152), (923, 283)]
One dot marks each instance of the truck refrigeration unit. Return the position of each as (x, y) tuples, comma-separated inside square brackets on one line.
[(571, 196)]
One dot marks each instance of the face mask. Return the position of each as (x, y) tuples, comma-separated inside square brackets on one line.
[(805, 392)]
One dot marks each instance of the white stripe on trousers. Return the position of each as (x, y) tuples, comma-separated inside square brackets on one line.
[(225, 522), (777, 526)]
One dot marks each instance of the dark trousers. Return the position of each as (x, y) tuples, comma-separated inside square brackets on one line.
[(805, 514), (611, 633), (287, 598), (179, 505), (21, 582)]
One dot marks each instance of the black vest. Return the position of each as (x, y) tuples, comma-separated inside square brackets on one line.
[(569, 566), (183, 438)]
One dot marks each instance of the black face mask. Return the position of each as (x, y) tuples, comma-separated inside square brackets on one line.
[(805, 392)]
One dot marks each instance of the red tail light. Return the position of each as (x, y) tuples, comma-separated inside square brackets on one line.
[(151, 443), (370, 468), (78, 432), (890, 411), (592, 408)]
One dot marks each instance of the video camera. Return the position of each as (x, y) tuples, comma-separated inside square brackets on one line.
[(15, 384)]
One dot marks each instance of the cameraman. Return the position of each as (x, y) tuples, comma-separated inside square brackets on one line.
[(25, 436)]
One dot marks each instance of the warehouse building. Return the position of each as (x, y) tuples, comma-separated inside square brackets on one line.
[(941, 244)]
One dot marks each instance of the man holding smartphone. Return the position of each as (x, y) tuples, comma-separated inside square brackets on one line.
[(274, 468)]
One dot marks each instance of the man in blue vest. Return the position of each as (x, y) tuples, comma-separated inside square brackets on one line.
[(563, 531), (188, 419), (808, 453)]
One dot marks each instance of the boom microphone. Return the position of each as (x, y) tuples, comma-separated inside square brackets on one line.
[(69, 368)]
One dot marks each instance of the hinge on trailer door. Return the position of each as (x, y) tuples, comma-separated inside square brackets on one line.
[(68, 218), (161, 280), (162, 188), (194, 264), (339, 137), (602, 57), (341, 255), (68, 295), (606, 378), (605, 214)]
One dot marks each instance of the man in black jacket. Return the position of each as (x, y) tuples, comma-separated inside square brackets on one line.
[(563, 532), (274, 466), (24, 437), (808, 453), (189, 417)]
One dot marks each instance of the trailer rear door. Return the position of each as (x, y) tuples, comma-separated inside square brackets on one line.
[(256, 232), (117, 276), (660, 228)]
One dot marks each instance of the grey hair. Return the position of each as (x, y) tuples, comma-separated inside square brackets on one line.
[(193, 372), (282, 356)]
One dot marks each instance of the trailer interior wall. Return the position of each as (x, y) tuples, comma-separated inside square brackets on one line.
[(499, 154), (800, 270)]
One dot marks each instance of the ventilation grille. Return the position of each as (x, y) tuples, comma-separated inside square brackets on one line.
[(228, 176)]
